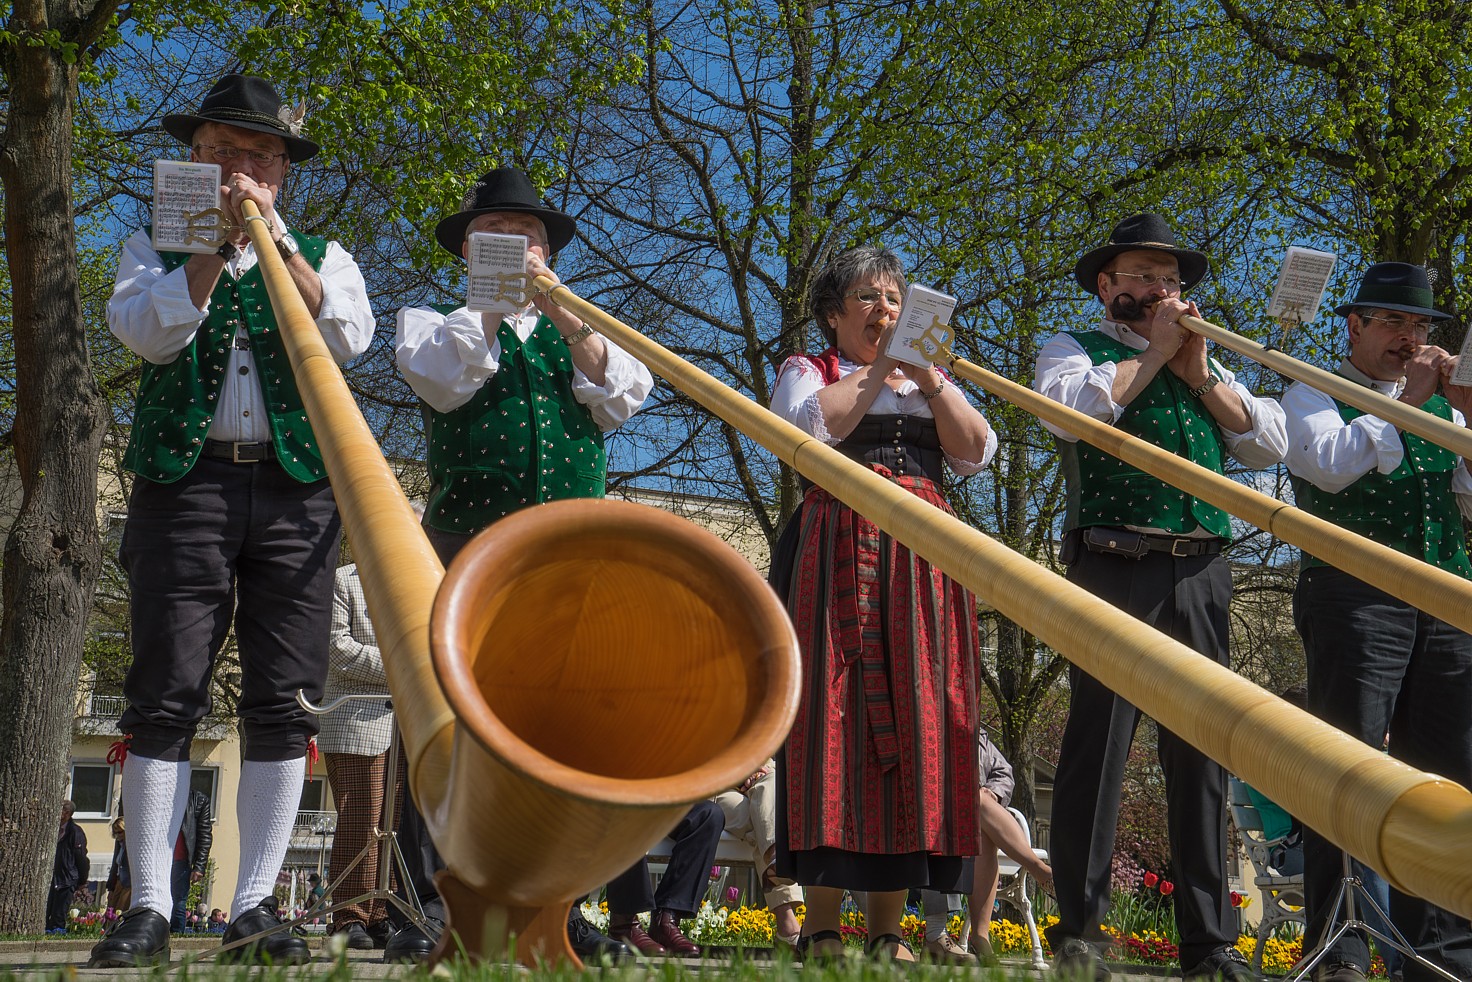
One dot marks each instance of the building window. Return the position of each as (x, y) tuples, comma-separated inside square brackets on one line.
[(91, 790), (207, 780)]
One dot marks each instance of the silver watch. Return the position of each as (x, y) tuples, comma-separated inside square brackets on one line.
[(287, 246)]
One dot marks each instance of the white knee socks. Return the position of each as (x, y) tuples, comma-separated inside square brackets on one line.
[(266, 806), (154, 794)]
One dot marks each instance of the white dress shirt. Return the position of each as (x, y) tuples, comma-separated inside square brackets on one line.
[(1066, 374), (447, 358), (1331, 454), (150, 311), (795, 399)]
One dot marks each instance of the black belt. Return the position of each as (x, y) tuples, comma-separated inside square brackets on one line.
[(1132, 544), (239, 453), (1179, 546)]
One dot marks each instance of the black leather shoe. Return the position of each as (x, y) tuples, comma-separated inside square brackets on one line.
[(139, 938), (1223, 965), (1075, 960), (380, 932), (410, 944), (281, 948), (589, 943), (356, 936)]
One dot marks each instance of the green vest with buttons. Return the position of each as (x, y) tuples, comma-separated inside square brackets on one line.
[(1103, 490), (1413, 509), (177, 401), (522, 439)]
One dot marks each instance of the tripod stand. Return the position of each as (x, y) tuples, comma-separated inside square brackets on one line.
[(1335, 928), (385, 840)]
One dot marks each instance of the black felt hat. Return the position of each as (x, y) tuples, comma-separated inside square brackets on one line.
[(1145, 231), (250, 103), (1395, 286), (504, 189)]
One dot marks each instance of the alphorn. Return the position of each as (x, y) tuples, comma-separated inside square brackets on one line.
[(1413, 827), (590, 669), (1403, 415), (1443, 595)]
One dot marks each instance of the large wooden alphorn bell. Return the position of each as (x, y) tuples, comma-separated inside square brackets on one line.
[(597, 667)]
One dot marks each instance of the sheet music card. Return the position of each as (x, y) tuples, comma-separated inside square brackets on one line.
[(186, 207), (497, 273), (1301, 284), (923, 329), (1463, 374)]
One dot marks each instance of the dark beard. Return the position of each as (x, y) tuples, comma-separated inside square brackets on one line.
[(1127, 310)]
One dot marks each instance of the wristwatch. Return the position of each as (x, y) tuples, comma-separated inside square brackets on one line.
[(1205, 387), (287, 246), (578, 336), (228, 251)]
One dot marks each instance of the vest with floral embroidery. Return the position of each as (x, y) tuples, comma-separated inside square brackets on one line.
[(1413, 509), (1103, 490), (522, 439), (177, 401)]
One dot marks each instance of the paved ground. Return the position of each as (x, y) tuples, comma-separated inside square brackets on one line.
[(35, 961)]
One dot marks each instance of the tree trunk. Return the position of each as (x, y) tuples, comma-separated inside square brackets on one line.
[(52, 552)]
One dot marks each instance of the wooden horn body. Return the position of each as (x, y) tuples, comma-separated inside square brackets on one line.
[(598, 667)]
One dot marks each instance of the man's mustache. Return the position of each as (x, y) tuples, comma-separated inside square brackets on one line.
[(1126, 308)]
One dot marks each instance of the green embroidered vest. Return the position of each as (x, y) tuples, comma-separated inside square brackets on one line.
[(1413, 509), (1102, 490), (522, 439), (176, 402)]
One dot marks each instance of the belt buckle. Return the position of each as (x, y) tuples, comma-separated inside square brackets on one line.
[(1178, 548), (235, 454)]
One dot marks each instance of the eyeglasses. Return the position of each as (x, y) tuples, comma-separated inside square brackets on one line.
[(1396, 323), (869, 297), (225, 154), (1147, 280)]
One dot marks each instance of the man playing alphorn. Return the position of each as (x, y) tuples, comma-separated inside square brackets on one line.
[(1155, 552), (517, 409), (230, 519), (1376, 663)]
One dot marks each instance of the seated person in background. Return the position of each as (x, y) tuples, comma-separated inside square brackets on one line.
[(680, 889), (751, 817), (1286, 858), (999, 830)]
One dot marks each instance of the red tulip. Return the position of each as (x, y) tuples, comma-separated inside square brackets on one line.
[(1167, 888), (1151, 879), (1236, 899)]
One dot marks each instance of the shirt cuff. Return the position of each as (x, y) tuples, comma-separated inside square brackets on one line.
[(465, 331), (1388, 449)]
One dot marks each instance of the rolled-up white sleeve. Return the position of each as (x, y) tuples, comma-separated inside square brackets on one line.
[(1067, 375), (444, 357), (150, 310), (1266, 444), (1329, 453), (627, 382), (345, 317)]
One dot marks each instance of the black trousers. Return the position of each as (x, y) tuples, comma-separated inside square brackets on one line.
[(58, 903), (696, 838), (228, 541), (1378, 665), (1186, 598)]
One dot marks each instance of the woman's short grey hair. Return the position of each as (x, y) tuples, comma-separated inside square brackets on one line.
[(825, 296)]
